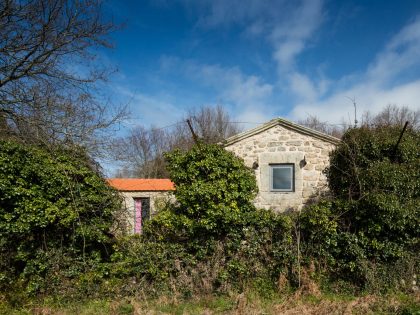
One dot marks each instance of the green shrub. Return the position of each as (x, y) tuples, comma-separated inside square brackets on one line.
[(214, 235), (374, 220), (55, 215), (213, 188), (367, 161), (261, 248), (381, 186)]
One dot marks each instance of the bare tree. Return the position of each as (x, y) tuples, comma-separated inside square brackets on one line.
[(212, 124), (47, 73), (315, 123), (142, 151), (392, 115)]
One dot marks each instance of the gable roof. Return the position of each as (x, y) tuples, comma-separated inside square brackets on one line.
[(286, 124), (141, 184)]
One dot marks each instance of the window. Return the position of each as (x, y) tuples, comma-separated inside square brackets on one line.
[(282, 177)]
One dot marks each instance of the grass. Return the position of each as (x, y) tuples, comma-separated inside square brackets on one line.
[(244, 303)]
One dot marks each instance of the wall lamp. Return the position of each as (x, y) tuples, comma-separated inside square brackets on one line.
[(303, 162)]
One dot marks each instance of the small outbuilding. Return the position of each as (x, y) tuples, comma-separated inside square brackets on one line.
[(288, 160), (142, 197)]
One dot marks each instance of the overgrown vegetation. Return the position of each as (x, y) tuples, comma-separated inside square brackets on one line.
[(213, 239), (56, 214), (369, 233), (245, 303), (364, 238)]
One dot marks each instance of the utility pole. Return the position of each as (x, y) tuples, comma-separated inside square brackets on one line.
[(399, 139), (193, 133)]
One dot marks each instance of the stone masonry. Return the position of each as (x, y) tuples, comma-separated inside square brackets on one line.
[(280, 141), (155, 193), (158, 199)]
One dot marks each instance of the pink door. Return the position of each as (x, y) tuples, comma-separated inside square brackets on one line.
[(141, 213), (137, 216)]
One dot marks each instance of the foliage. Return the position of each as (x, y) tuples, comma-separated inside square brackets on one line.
[(368, 161), (55, 213), (172, 261), (214, 188), (373, 223), (381, 183), (213, 223), (213, 239)]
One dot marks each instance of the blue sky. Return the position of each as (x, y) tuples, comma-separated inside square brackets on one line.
[(264, 59)]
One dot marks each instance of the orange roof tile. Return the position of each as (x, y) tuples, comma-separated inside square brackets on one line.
[(141, 184)]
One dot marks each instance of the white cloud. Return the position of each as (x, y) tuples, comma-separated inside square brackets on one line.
[(367, 96), (382, 83), (222, 13), (244, 96), (231, 84), (286, 25), (240, 92), (248, 96), (306, 90), (290, 34), (302, 86), (150, 109), (289, 27), (400, 54)]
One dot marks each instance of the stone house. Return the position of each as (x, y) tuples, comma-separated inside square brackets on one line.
[(142, 197), (288, 160)]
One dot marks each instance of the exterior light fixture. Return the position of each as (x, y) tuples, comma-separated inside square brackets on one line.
[(303, 162)]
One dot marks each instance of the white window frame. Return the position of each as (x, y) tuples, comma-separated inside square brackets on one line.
[(290, 166)]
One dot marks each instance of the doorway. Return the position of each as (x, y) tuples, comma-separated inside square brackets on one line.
[(141, 213)]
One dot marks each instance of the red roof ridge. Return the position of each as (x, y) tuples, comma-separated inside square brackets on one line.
[(142, 184)]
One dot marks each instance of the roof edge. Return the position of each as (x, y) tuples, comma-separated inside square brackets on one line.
[(145, 190), (141, 184), (284, 123)]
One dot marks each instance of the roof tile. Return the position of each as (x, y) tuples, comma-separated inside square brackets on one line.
[(141, 184)]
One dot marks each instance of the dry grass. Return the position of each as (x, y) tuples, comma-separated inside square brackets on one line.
[(294, 304), (299, 302)]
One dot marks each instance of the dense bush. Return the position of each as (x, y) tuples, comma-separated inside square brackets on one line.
[(257, 249), (373, 221), (367, 234), (368, 161), (213, 238), (56, 212), (214, 188)]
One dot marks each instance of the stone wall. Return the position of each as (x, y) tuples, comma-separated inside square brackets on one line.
[(282, 145), (157, 201)]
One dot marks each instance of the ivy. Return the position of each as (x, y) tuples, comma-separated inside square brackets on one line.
[(375, 214), (52, 203), (213, 187)]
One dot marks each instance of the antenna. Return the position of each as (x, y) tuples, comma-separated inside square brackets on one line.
[(353, 100)]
